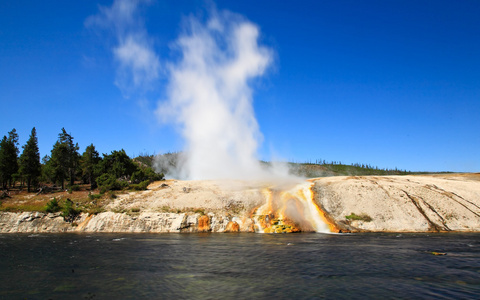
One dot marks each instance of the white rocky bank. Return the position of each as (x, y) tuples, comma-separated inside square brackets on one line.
[(36, 222), (392, 203), (402, 203)]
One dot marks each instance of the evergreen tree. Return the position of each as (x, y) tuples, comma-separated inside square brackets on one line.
[(65, 158), (3, 162), (30, 166), (89, 163), (58, 163), (73, 157), (118, 163), (13, 154), (8, 158), (47, 169)]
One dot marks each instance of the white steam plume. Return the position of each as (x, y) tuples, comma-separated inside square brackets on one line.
[(209, 94), (138, 65), (210, 97)]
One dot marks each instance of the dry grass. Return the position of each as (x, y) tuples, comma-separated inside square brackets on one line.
[(23, 201), (459, 176)]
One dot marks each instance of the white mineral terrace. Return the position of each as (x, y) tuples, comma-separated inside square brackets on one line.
[(331, 204)]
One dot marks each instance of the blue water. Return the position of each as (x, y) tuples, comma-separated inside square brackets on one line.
[(241, 266)]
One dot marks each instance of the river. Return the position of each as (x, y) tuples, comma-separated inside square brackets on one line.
[(241, 266)]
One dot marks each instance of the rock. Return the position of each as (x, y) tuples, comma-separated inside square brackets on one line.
[(30, 222), (400, 203), (438, 253), (204, 224), (232, 226)]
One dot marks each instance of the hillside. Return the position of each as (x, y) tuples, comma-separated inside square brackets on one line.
[(308, 170)]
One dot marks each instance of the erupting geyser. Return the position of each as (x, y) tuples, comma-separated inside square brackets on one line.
[(210, 99)]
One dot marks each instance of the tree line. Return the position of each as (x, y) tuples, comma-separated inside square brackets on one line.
[(65, 165), (323, 162)]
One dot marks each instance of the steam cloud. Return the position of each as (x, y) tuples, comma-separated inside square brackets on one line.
[(209, 94), (137, 64), (209, 97)]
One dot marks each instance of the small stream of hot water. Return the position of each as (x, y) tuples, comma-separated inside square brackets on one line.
[(290, 210)]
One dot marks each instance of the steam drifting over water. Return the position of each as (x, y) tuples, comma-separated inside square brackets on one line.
[(210, 97)]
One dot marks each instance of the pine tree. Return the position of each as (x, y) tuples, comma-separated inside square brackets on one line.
[(58, 163), (118, 164), (30, 166), (3, 162), (8, 157), (89, 163), (65, 158), (73, 161), (47, 169)]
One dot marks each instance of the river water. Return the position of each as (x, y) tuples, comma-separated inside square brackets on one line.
[(241, 266)]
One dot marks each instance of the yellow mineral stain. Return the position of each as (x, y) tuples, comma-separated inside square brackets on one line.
[(82, 225), (232, 227), (291, 210), (323, 216), (204, 224)]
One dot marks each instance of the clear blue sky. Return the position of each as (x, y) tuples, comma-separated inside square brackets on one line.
[(388, 83)]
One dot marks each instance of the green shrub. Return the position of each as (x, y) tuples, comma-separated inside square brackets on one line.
[(146, 174), (165, 208), (200, 211), (362, 217), (73, 188), (69, 213), (94, 196), (135, 210), (138, 176), (53, 206), (152, 175), (108, 182), (95, 210), (141, 186)]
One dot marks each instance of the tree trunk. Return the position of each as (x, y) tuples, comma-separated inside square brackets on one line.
[(72, 178), (28, 184), (91, 181)]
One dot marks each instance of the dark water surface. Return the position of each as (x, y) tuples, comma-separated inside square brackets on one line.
[(242, 266)]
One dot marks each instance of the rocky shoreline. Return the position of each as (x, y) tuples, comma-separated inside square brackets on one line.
[(37, 222), (348, 204)]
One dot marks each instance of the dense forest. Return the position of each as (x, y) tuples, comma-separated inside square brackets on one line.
[(65, 168)]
